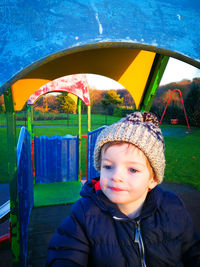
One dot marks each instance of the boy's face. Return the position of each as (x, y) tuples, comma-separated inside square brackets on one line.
[(126, 176)]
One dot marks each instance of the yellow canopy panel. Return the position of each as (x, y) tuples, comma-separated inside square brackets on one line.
[(135, 77), (129, 67), (23, 89)]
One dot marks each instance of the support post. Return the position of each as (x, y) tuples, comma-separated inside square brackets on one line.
[(80, 141), (153, 82), (88, 130), (89, 117), (30, 120), (30, 129), (12, 170)]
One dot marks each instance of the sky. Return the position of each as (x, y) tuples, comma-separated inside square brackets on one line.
[(175, 71)]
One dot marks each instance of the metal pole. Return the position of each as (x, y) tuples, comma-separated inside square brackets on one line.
[(89, 117), (30, 121), (30, 129), (79, 135), (12, 170), (153, 82)]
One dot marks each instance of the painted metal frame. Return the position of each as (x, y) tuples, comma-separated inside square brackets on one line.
[(155, 77), (12, 171)]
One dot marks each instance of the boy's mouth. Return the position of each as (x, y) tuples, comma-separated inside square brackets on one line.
[(115, 188)]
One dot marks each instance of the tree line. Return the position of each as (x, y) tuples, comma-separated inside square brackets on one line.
[(120, 102)]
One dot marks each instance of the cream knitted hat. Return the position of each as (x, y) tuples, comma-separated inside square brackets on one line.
[(141, 130)]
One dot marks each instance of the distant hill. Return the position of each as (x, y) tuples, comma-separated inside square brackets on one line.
[(164, 91), (49, 103), (184, 86), (161, 97)]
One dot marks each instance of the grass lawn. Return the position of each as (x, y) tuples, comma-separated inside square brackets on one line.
[(182, 153), (96, 119), (183, 158)]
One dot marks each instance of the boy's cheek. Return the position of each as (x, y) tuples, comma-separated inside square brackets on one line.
[(102, 173), (103, 183)]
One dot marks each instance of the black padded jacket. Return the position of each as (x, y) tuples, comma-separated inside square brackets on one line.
[(97, 234)]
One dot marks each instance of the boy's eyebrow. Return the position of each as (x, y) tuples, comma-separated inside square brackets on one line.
[(105, 159), (128, 162), (135, 162)]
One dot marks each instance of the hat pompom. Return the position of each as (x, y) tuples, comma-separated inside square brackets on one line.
[(145, 117)]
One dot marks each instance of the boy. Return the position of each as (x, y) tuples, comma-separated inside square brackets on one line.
[(123, 217)]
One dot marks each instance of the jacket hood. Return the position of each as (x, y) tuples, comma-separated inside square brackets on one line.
[(92, 190)]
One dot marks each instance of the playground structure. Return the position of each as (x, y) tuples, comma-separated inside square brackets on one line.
[(77, 86), (136, 56)]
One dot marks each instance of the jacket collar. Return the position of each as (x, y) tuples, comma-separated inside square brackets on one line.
[(93, 190)]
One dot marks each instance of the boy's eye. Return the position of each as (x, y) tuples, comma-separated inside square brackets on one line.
[(132, 170), (107, 167)]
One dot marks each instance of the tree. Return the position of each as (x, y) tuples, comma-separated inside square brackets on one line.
[(111, 99), (2, 106), (52, 102), (95, 97), (66, 104), (175, 98), (192, 103)]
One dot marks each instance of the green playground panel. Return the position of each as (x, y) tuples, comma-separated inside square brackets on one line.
[(48, 194)]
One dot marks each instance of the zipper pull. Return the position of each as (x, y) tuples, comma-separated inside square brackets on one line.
[(137, 232), (139, 241)]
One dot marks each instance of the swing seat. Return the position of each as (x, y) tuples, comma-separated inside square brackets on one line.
[(174, 121)]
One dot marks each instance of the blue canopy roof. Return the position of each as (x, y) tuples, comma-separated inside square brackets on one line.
[(31, 31)]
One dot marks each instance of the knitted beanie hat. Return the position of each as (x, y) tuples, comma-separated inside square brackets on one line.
[(141, 130)]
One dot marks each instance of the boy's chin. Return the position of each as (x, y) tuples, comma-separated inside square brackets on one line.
[(115, 199)]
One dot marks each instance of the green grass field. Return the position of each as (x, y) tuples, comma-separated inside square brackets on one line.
[(182, 153), (96, 119), (183, 158)]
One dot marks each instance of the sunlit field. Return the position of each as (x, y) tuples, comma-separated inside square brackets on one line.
[(182, 151)]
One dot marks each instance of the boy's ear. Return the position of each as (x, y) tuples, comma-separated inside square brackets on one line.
[(152, 182)]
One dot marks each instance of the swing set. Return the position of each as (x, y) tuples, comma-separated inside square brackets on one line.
[(174, 121)]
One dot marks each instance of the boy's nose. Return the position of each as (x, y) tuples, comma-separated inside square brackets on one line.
[(117, 175)]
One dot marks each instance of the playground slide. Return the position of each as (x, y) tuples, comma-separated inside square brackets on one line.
[(4, 211), (4, 215)]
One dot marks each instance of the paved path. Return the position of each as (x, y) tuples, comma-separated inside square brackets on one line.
[(188, 194)]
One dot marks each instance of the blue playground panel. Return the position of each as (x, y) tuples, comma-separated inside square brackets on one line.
[(25, 189), (56, 159), (92, 137), (32, 31)]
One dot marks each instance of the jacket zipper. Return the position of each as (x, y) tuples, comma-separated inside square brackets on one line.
[(139, 241)]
